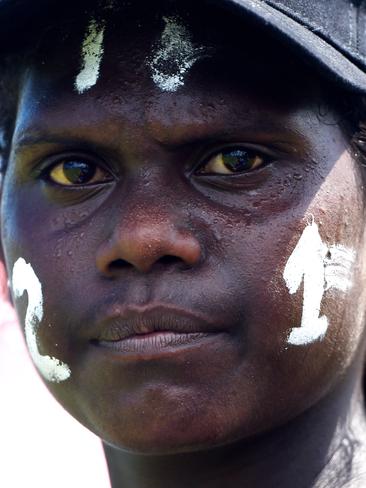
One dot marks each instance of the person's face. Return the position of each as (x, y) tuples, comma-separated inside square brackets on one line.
[(187, 225)]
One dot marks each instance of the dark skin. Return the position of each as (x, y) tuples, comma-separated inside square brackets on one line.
[(159, 230)]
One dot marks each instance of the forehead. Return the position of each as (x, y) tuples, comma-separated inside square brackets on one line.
[(163, 47)]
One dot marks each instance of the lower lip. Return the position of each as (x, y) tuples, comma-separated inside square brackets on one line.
[(156, 342)]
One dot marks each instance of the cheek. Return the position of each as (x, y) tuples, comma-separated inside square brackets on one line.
[(31, 269), (24, 281), (314, 294), (300, 283)]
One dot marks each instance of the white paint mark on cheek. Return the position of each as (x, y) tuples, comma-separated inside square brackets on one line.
[(174, 56), (320, 268), (338, 264), (92, 53), (306, 263), (24, 280)]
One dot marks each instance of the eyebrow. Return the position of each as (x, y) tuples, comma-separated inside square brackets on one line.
[(46, 138), (270, 134)]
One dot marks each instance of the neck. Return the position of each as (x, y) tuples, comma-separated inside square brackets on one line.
[(321, 447)]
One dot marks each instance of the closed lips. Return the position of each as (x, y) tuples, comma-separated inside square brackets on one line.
[(157, 321)]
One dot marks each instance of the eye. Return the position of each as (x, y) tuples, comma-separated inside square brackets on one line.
[(77, 172), (232, 161)]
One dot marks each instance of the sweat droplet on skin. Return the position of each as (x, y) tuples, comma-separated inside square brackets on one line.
[(92, 53), (174, 55), (321, 268), (24, 280)]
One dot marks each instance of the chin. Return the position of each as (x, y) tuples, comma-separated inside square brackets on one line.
[(170, 436), (163, 441), (166, 445)]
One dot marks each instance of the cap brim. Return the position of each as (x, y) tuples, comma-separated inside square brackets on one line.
[(325, 57)]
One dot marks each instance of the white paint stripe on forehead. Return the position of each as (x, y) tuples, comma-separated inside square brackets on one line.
[(174, 55), (24, 280), (92, 53), (321, 268)]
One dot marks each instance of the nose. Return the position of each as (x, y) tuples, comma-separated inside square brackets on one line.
[(145, 242)]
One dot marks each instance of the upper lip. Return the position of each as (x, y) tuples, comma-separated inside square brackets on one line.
[(128, 321)]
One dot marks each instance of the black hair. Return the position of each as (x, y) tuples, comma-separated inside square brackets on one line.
[(351, 112)]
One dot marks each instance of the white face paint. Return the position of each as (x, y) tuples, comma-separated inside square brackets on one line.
[(174, 55), (25, 280), (338, 264), (91, 53), (321, 268)]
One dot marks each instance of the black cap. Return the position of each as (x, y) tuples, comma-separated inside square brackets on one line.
[(329, 33)]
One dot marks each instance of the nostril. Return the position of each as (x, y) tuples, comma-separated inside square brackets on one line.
[(168, 259), (165, 261), (119, 264), (145, 251), (173, 262)]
